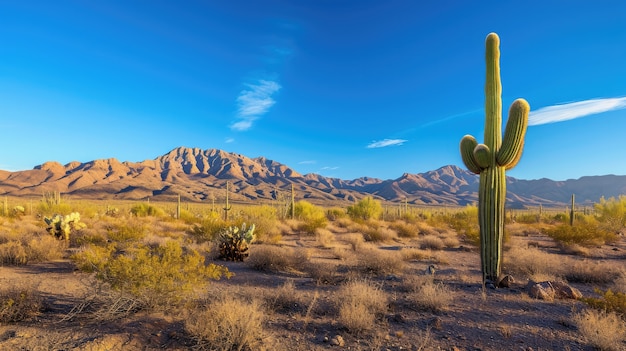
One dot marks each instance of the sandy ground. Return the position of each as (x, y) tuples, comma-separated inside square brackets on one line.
[(476, 319)]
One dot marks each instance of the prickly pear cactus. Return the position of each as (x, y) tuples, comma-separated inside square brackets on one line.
[(234, 242), (62, 226), (491, 159)]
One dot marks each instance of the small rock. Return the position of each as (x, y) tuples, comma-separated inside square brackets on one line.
[(337, 340), (505, 281), (550, 290), (435, 323)]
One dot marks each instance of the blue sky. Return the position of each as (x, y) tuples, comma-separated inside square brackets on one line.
[(339, 88)]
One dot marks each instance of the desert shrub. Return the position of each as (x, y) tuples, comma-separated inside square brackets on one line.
[(19, 303), (157, 275), (344, 222), (336, 213), (227, 324), (585, 234), (405, 230), (144, 210), (608, 301), (612, 213), (208, 228), (432, 242), (451, 242), (531, 262), (360, 304), (375, 232), (13, 253), (465, 223), (324, 237), (265, 218), (355, 241), (286, 298), (312, 216), (127, 232), (604, 331), (379, 262), (188, 217), (589, 272), (44, 248), (425, 294), (277, 259), (409, 254), (367, 208)]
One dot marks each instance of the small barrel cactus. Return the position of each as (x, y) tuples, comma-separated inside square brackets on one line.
[(61, 226), (234, 242)]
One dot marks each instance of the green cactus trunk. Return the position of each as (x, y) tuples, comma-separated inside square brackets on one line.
[(492, 159)]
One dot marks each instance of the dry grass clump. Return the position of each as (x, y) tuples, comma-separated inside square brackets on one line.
[(432, 242), (360, 304), (451, 241), (271, 258), (355, 241), (411, 253), (31, 248), (575, 249), (286, 298), (322, 272), (379, 234), (532, 262), (589, 272), (425, 294), (325, 238), (537, 265), (379, 262), (19, 303), (604, 331), (405, 230), (227, 324)]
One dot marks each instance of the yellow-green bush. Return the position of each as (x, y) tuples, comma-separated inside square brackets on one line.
[(465, 223), (585, 234), (143, 210), (366, 208), (608, 301), (612, 213), (156, 275), (312, 216)]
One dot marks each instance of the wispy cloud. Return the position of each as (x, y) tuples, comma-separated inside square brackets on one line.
[(328, 168), (385, 143), (253, 102), (229, 140), (564, 112), (307, 162)]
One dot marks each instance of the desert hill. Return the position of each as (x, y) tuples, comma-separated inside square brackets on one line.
[(201, 175)]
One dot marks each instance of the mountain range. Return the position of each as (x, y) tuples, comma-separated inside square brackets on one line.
[(202, 175)]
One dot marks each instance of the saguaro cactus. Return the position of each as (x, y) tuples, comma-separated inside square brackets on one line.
[(492, 158)]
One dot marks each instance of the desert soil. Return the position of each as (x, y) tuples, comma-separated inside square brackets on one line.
[(476, 319)]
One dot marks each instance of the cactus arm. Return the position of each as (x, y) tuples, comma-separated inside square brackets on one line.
[(482, 155), (493, 94), (468, 143), (511, 150)]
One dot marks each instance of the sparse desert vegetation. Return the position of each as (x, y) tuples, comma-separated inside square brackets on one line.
[(133, 276)]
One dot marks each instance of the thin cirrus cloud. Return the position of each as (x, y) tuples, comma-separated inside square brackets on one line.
[(573, 110), (385, 143), (253, 102)]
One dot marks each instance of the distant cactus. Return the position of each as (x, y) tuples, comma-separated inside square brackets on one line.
[(234, 242), (62, 226), (492, 158), (227, 207)]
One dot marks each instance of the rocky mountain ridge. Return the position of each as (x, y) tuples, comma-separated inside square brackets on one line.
[(201, 175)]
